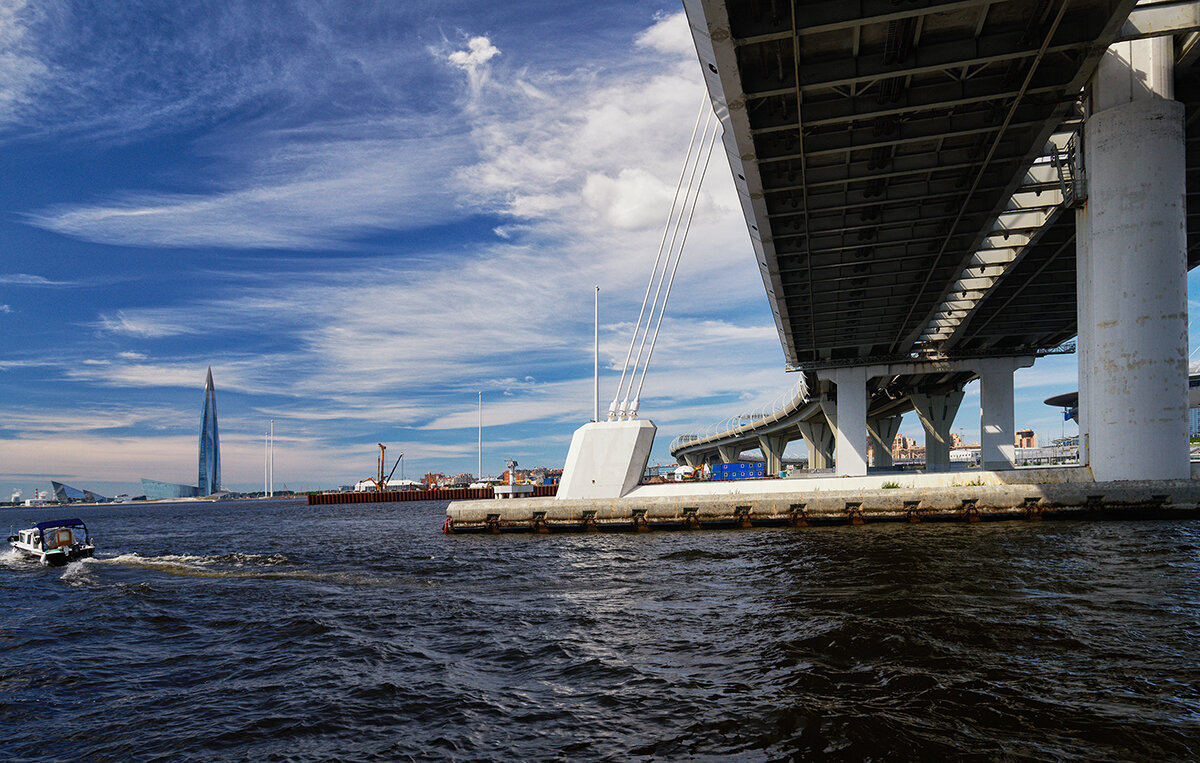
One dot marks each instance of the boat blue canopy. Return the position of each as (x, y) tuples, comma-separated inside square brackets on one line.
[(58, 523)]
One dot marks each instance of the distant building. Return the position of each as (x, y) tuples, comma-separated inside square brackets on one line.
[(905, 447), (155, 489), (67, 494), (1194, 422), (210, 442), (1025, 438), (434, 480), (210, 456)]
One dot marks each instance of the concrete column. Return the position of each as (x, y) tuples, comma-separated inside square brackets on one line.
[(693, 459), (996, 429), (937, 414), (1083, 312), (818, 435), (850, 420), (1135, 323), (883, 432), (772, 447), (729, 453)]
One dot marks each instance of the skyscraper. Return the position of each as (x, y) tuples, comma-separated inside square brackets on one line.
[(210, 442)]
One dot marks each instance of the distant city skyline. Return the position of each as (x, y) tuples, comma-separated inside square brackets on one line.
[(359, 218)]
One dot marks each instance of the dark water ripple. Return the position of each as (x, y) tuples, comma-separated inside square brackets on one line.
[(284, 632)]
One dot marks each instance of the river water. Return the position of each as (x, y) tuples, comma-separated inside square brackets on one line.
[(278, 631)]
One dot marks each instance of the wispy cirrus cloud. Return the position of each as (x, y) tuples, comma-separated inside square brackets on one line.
[(583, 211), (120, 70), (145, 324), (27, 279), (21, 68), (573, 167), (310, 192)]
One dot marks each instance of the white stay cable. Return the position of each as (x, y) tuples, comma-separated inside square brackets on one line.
[(678, 256), (662, 279), (612, 409)]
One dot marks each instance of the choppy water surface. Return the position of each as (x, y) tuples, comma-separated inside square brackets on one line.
[(279, 631)]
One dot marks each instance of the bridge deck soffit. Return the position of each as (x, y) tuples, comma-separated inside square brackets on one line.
[(893, 165)]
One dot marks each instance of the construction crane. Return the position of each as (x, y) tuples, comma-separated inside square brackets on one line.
[(381, 483)]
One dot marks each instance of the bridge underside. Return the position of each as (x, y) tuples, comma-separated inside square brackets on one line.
[(895, 173), (943, 190)]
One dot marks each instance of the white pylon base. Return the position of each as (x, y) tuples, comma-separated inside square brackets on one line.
[(606, 459)]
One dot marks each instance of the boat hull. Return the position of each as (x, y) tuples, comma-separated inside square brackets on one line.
[(57, 557)]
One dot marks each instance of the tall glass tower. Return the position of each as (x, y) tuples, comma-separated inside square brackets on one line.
[(210, 442)]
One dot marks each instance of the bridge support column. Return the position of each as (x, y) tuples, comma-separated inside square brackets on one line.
[(729, 453), (883, 432), (1135, 265), (772, 447), (849, 420), (818, 435), (996, 429), (937, 415), (693, 460)]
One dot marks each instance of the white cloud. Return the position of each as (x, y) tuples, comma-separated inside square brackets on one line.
[(473, 61), (634, 199), (587, 173), (146, 324), (669, 34), (5, 309), (25, 279), (21, 69), (582, 163), (308, 191)]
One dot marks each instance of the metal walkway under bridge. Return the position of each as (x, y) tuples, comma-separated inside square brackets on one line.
[(944, 190)]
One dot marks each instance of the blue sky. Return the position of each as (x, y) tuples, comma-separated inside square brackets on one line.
[(359, 214)]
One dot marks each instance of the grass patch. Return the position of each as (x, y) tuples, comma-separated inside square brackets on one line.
[(977, 482), (890, 485)]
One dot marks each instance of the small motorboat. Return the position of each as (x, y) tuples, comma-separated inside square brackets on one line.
[(55, 542)]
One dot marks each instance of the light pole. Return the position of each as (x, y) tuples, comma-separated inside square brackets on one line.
[(479, 465)]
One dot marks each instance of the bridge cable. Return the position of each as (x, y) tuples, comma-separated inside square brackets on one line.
[(662, 277), (612, 408), (693, 161), (678, 256)]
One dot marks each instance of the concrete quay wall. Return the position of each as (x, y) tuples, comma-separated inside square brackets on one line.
[(856, 505)]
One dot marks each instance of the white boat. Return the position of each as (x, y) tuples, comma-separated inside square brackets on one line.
[(55, 542)]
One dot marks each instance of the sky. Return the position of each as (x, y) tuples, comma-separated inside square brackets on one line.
[(361, 215)]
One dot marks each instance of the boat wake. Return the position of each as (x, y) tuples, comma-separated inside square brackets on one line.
[(272, 567), (10, 557)]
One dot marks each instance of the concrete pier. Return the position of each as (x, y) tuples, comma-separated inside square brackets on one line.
[(1133, 310), (964, 496)]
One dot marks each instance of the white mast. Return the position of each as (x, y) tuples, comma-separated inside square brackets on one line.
[(596, 360), (479, 465), (271, 470)]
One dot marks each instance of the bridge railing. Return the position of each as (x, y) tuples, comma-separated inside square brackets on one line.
[(783, 405)]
